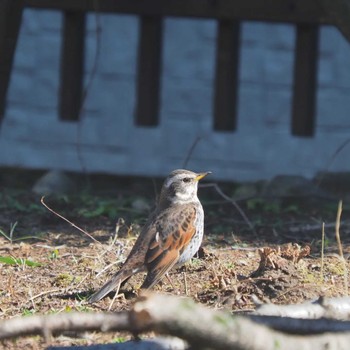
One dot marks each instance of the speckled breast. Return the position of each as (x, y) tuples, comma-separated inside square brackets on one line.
[(197, 238)]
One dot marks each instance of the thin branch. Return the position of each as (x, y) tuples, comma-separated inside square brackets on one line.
[(333, 157), (191, 150), (87, 88), (58, 323), (65, 219), (233, 202)]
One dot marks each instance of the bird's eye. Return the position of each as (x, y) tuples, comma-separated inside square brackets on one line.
[(186, 179)]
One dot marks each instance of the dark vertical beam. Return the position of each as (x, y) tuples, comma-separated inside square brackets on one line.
[(226, 78), (305, 80), (10, 22), (72, 65), (149, 70)]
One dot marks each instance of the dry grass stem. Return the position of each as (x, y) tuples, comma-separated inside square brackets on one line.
[(340, 247), (116, 295), (322, 251)]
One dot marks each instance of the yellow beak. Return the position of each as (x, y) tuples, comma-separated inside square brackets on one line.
[(201, 175)]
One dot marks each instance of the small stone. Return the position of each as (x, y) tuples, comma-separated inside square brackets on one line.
[(53, 182), (140, 204)]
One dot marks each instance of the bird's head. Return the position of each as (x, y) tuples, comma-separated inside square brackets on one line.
[(181, 186)]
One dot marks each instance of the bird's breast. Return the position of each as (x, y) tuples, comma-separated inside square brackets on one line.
[(196, 240)]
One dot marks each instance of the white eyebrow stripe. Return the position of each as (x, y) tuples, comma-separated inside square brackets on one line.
[(172, 179)]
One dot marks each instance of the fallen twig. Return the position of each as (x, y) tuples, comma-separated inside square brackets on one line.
[(65, 219)]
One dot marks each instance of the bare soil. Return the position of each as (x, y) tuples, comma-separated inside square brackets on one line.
[(225, 274)]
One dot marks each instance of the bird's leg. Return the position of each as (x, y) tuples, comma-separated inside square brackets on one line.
[(185, 282), (169, 280)]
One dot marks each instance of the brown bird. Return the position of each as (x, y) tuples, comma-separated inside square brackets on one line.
[(170, 237)]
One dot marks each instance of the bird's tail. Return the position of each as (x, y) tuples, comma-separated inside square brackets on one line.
[(113, 283)]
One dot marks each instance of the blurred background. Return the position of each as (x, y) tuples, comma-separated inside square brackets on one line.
[(185, 126)]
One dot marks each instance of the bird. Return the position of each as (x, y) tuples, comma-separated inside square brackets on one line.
[(171, 236)]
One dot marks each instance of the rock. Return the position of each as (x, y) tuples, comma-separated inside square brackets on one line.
[(338, 183), (53, 182), (292, 185)]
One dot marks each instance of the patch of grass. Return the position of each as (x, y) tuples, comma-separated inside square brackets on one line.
[(28, 312), (310, 278), (10, 260), (10, 235), (119, 340), (195, 262), (12, 201), (64, 280), (264, 205), (335, 269), (105, 207), (229, 265), (292, 208), (90, 206), (83, 308)]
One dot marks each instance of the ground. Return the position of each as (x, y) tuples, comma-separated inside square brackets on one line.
[(48, 266)]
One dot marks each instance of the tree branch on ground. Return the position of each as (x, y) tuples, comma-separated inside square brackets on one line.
[(199, 326)]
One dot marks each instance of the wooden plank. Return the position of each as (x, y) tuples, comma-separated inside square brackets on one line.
[(305, 80), (226, 78), (10, 22), (296, 11), (72, 65), (149, 70)]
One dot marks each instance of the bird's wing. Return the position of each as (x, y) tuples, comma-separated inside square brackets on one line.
[(174, 231)]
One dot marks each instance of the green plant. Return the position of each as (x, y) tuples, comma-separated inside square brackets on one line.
[(10, 201), (28, 312), (264, 205), (9, 237), (105, 207), (10, 260), (119, 340), (54, 254), (292, 208)]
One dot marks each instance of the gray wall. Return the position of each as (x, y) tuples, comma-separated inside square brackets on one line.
[(106, 139)]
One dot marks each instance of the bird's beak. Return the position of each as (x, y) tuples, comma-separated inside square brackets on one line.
[(201, 175)]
